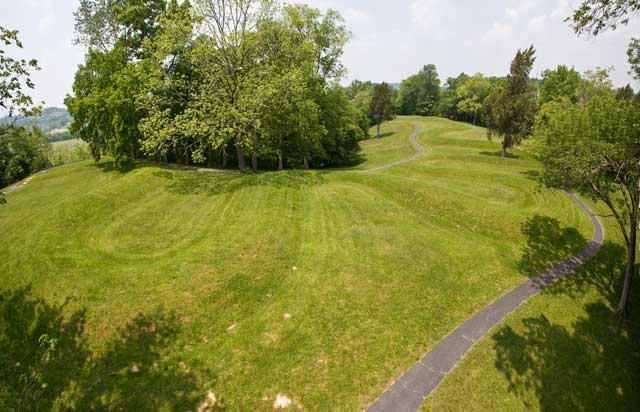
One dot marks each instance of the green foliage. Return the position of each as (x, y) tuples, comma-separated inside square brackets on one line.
[(559, 83), (254, 79), (633, 55), (595, 83), (511, 110), (594, 148), (68, 151), (381, 105), (419, 94), (597, 16), (471, 92), (218, 248), (15, 77), (21, 151)]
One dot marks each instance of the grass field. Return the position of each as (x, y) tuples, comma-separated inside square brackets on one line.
[(319, 286)]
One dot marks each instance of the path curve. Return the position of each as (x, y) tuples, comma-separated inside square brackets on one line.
[(412, 140), (411, 389)]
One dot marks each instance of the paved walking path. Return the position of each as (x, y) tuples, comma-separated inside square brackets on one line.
[(412, 140), (410, 390)]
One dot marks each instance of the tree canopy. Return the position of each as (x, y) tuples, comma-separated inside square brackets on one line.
[(512, 109), (594, 148), (192, 83)]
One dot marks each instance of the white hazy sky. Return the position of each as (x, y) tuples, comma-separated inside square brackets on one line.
[(391, 39)]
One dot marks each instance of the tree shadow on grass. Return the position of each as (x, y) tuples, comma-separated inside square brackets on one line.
[(548, 243), (594, 365), (46, 364), (499, 154), (110, 166), (382, 136), (189, 183)]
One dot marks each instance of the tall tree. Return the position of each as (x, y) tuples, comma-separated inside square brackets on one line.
[(512, 109), (21, 151), (596, 16), (381, 106), (232, 25), (595, 149), (471, 94), (419, 93), (558, 83)]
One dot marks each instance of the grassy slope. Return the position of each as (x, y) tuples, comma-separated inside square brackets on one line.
[(563, 350), (387, 264)]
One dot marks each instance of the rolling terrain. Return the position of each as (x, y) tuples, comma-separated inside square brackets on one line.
[(320, 286)]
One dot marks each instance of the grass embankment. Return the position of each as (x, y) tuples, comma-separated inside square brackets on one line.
[(563, 350), (319, 286)]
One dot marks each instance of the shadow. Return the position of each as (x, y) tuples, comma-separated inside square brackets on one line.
[(382, 136), (533, 175), (110, 166), (214, 184), (45, 362), (499, 154), (593, 365), (547, 244)]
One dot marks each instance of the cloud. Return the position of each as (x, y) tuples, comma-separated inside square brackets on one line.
[(429, 15)]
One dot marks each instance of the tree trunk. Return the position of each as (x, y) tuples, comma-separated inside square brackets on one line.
[(240, 153), (224, 156), (378, 136), (280, 155), (504, 148), (628, 273), (306, 164), (254, 154)]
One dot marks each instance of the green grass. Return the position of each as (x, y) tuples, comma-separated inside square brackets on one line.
[(189, 275), (563, 350)]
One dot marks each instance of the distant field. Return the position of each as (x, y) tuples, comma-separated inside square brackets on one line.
[(321, 286), (67, 143), (68, 151)]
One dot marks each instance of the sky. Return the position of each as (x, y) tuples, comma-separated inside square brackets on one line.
[(390, 39)]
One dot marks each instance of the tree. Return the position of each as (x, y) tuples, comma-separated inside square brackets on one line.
[(594, 83), (471, 93), (381, 106), (559, 83), (512, 109), (420, 93), (105, 87), (625, 92), (15, 77), (597, 16), (21, 151), (595, 149), (231, 25)]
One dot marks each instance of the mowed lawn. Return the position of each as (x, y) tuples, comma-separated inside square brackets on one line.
[(563, 350), (322, 287)]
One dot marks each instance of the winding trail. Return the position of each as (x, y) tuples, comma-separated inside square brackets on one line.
[(412, 140), (411, 389)]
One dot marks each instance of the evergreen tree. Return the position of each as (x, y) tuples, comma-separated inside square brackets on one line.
[(512, 109), (381, 106)]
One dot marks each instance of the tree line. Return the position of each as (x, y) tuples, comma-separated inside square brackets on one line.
[(214, 82)]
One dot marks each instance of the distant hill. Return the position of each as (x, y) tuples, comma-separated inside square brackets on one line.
[(52, 119), (395, 85)]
